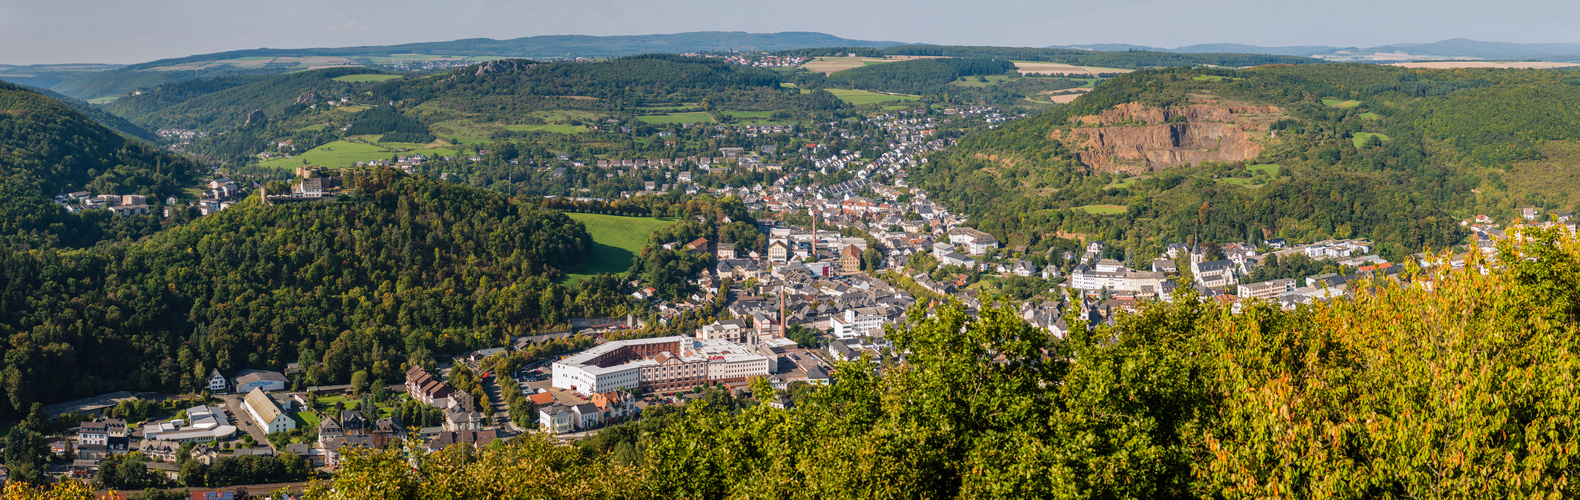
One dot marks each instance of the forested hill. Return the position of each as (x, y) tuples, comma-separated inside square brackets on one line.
[(218, 104), (919, 76), (46, 148), (98, 114), (403, 267), (626, 81), (1302, 152)]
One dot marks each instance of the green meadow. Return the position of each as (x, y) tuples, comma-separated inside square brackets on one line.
[(865, 97), (616, 240), (1360, 138), (1102, 209), (697, 117)]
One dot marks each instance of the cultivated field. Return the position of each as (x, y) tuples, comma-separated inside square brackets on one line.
[(827, 65), (1340, 104), (616, 240), (1049, 68), (1488, 64), (1067, 98)]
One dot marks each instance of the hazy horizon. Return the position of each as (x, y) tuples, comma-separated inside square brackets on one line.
[(121, 32)]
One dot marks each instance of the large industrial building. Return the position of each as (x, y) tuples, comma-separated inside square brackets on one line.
[(663, 364)]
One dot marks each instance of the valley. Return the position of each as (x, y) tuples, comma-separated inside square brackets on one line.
[(861, 270)]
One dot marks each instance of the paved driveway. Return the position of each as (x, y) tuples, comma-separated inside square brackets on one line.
[(244, 421)]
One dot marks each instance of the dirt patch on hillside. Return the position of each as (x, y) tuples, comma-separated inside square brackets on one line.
[(1137, 139)]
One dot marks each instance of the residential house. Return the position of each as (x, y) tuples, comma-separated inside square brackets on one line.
[(385, 431), (328, 429), (613, 404), (353, 422), (427, 388), (473, 438), (1165, 266), (103, 437), (976, 241), (587, 415), (556, 419), (462, 419), (217, 383), (733, 330)]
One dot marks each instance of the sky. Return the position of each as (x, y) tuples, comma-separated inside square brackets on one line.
[(132, 31)]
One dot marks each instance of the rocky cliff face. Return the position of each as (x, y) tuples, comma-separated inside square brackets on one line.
[(1137, 139), (501, 66)]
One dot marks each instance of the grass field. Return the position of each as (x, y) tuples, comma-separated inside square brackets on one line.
[(1102, 209), (560, 115), (698, 117), (616, 240), (558, 129), (305, 420), (1370, 116), (366, 78), (104, 100), (1214, 78), (1267, 168), (464, 132), (971, 81), (1360, 138), (865, 97), (1122, 183), (344, 154), (1340, 104)]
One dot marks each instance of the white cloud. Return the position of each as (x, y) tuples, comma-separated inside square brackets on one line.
[(350, 26)]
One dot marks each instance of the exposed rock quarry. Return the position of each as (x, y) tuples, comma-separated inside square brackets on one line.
[(308, 97), (501, 66), (256, 116), (1137, 139)]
